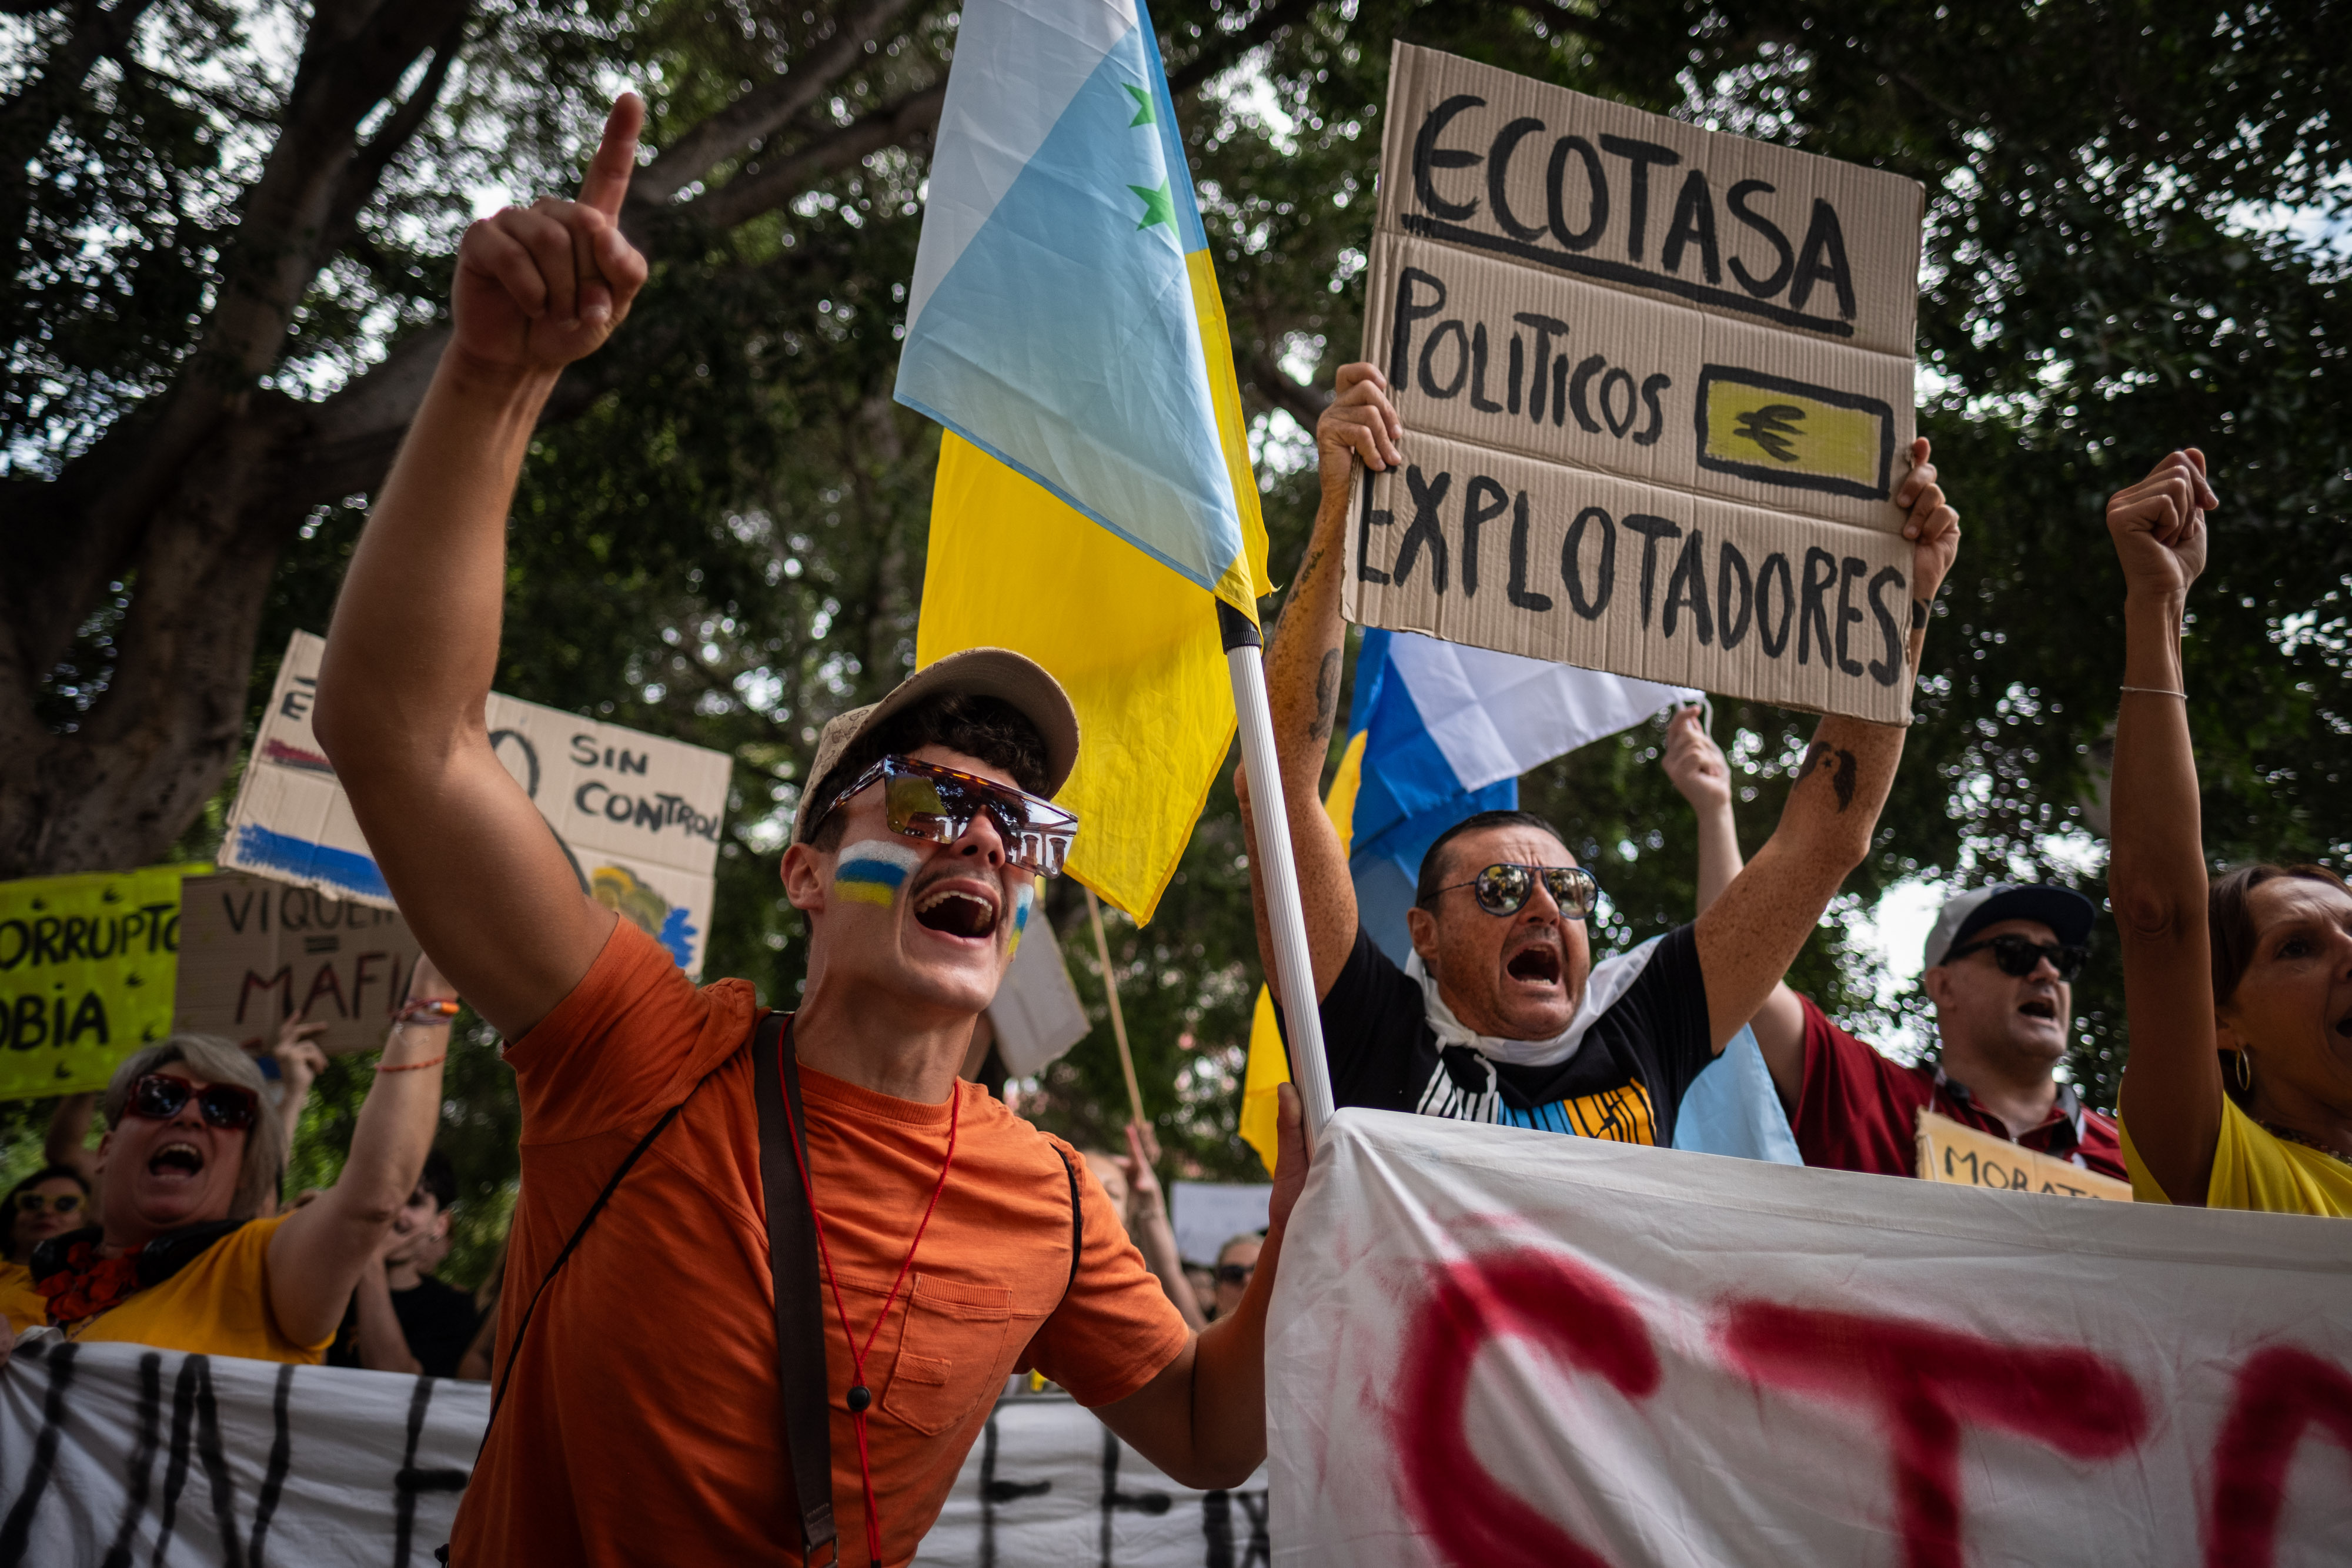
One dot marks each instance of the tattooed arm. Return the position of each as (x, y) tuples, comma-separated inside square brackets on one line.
[(1302, 677), (1748, 936)]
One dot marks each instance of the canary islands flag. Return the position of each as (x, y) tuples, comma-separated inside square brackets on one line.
[(1064, 316), (1064, 324)]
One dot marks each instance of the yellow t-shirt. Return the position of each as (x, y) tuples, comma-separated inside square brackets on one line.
[(23, 1306), (217, 1305), (2255, 1168)]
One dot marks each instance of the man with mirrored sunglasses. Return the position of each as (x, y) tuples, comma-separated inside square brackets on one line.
[(954, 1242), (1503, 1015)]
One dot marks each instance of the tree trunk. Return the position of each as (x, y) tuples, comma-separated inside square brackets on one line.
[(185, 504)]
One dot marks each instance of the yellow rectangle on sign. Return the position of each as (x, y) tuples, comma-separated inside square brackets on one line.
[(1959, 1155), (87, 970), (1780, 431)]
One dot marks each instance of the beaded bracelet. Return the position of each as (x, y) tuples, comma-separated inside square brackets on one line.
[(423, 1010), (412, 1066)]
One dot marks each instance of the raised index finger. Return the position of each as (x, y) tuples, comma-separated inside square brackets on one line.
[(616, 157)]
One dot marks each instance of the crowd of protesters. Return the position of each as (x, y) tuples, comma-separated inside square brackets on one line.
[(778, 1196)]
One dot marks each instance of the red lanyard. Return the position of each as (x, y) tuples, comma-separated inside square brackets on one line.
[(860, 1396)]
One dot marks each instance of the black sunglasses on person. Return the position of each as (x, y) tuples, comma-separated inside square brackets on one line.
[(924, 800), (1505, 889), (33, 1202), (1236, 1273), (159, 1096), (2019, 958)]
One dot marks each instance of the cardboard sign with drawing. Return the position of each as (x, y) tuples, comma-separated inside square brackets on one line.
[(1656, 385), (637, 815)]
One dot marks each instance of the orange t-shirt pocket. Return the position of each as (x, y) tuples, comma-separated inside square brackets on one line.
[(952, 1352)]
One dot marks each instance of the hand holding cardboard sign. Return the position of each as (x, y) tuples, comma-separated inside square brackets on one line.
[(2159, 526), (1360, 422), (539, 287), (1932, 528)]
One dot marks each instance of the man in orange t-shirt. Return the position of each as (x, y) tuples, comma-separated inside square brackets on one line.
[(948, 1256)]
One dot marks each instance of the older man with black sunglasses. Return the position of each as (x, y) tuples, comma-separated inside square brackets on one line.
[(1507, 1018)]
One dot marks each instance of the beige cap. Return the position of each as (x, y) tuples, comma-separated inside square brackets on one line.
[(976, 671)]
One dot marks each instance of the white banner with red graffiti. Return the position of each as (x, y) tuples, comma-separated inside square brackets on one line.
[(1498, 1347)]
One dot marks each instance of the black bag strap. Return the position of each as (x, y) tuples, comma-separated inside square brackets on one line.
[(498, 1395), (800, 1378), (1078, 1225)]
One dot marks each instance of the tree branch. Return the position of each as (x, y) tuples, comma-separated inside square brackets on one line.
[(1222, 49), (364, 172), (760, 113), (765, 187)]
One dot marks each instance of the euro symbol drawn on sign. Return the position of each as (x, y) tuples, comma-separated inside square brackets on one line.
[(1771, 426)]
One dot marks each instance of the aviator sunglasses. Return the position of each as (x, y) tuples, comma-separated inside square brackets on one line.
[(2018, 957), (158, 1097), (924, 800), (1505, 889)]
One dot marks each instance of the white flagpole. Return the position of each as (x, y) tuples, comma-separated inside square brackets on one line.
[(1293, 969)]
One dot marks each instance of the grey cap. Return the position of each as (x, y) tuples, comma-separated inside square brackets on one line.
[(2067, 914), (975, 672)]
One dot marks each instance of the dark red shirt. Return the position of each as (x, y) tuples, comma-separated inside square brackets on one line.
[(1859, 1111)]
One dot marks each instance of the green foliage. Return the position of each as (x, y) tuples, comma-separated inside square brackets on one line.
[(2135, 241)]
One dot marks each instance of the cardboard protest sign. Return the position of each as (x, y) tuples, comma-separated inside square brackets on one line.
[(1955, 1152), (1507, 1346), (1656, 385), (86, 974), (1037, 1014), (254, 951), (637, 815)]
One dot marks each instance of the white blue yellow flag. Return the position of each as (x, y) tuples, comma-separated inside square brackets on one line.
[(1064, 316)]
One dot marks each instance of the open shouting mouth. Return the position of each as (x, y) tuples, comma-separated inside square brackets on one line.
[(1537, 962), (957, 912), (176, 1162), (2040, 1008)]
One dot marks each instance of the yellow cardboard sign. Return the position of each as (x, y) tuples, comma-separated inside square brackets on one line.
[(1952, 1151), (87, 970)]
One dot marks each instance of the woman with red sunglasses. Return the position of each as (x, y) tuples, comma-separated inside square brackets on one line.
[(186, 1252)]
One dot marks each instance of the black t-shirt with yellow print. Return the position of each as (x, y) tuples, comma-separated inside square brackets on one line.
[(1624, 1081)]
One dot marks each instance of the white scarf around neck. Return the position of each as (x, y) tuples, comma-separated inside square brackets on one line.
[(1608, 980)]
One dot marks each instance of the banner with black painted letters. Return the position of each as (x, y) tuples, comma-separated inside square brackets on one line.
[(1656, 385), (122, 1454)]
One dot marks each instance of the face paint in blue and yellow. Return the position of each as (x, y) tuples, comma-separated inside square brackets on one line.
[(1022, 898), (874, 870)]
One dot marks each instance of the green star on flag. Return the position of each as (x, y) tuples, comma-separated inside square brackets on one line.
[(1143, 115), (1158, 206)]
